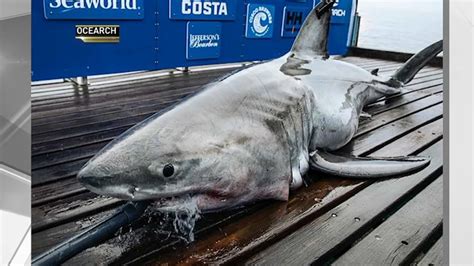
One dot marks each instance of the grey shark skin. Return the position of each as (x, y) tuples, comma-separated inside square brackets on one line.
[(253, 134)]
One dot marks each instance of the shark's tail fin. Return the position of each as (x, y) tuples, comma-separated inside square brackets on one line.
[(406, 73), (312, 38)]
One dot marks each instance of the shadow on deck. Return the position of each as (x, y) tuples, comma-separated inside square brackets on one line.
[(331, 220)]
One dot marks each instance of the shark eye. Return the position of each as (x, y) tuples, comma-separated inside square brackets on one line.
[(168, 170)]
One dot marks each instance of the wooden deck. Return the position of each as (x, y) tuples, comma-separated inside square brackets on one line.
[(333, 220)]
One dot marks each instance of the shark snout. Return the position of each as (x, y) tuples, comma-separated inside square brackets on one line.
[(93, 179)]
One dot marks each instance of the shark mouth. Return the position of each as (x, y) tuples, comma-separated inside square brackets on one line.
[(207, 199), (206, 202)]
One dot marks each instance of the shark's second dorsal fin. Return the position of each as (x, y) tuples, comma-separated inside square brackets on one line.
[(312, 38)]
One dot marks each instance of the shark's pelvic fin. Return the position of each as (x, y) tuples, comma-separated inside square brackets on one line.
[(408, 71), (312, 38), (366, 167)]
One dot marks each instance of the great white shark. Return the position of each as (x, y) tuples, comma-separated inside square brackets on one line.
[(253, 134)]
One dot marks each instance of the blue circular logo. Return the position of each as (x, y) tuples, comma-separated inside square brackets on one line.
[(260, 21)]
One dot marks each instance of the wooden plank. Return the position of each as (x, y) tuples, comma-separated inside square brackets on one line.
[(390, 69), (393, 103), (407, 90), (85, 103), (84, 111), (51, 159), (398, 240), (430, 132), (257, 229), (58, 190), (339, 227), (57, 172), (154, 236), (154, 100), (401, 111), (100, 103), (132, 89), (47, 239), (98, 127), (434, 256), (76, 142), (125, 86), (363, 61), (378, 137), (387, 55), (73, 208)]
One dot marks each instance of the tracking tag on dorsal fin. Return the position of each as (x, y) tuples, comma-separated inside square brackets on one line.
[(312, 38), (366, 167), (323, 7)]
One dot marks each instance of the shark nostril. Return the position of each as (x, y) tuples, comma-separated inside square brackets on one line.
[(132, 190)]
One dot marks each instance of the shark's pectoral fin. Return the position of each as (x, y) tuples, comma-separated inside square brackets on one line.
[(366, 167)]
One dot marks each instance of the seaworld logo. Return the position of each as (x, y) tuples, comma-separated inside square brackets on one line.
[(204, 40), (94, 9), (94, 4), (260, 21)]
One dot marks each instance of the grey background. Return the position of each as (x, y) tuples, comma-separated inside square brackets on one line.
[(15, 111), (15, 132), (459, 81)]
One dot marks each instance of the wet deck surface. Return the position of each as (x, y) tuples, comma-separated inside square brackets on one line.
[(330, 220)]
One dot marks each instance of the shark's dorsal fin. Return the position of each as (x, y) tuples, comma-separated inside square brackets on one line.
[(312, 38)]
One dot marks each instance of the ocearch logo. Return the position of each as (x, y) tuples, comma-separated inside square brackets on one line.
[(337, 12), (94, 4), (260, 20)]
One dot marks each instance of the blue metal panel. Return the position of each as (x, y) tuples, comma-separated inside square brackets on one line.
[(342, 20), (204, 40), (260, 21), (154, 42), (293, 20)]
